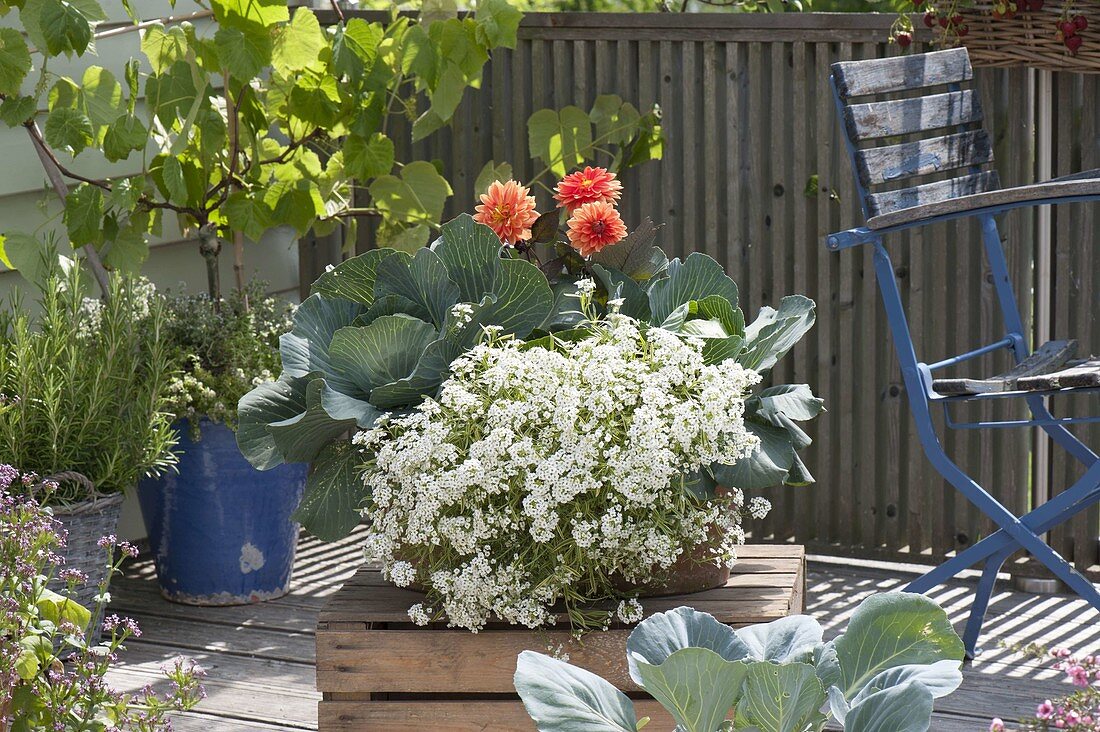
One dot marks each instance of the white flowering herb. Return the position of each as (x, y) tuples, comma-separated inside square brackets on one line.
[(546, 474)]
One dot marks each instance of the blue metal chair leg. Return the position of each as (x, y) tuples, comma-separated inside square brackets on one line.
[(1080, 496), (982, 595), (1019, 531)]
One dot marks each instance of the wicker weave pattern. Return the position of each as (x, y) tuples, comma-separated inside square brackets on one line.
[(86, 523), (1029, 39)]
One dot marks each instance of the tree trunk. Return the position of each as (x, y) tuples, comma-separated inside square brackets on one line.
[(238, 266), (210, 246)]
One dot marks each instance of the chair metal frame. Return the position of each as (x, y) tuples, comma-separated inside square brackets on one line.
[(1013, 532)]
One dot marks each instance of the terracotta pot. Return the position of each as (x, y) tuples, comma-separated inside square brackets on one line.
[(694, 571)]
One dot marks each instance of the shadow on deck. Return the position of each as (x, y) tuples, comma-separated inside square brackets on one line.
[(260, 657)]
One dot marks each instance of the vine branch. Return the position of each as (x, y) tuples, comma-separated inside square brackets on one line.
[(57, 180)]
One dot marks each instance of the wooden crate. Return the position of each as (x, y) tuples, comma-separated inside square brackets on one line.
[(377, 671)]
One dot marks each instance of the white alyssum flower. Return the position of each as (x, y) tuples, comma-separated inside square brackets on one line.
[(759, 507), (630, 611), (401, 574), (462, 312), (542, 475), (420, 615)]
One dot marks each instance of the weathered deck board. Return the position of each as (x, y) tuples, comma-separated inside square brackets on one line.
[(261, 674)]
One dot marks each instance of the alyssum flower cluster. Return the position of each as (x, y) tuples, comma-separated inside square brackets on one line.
[(554, 471)]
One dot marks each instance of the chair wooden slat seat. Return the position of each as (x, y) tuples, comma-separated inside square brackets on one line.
[(1047, 359), (1070, 187), (1080, 375)]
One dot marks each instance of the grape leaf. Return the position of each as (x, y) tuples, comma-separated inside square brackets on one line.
[(368, 158), (299, 43), (15, 61), (69, 129), (84, 214)]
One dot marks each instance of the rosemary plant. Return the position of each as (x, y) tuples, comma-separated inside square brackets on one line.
[(89, 380)]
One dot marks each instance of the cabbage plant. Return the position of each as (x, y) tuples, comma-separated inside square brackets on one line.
[(376, 335), (898, 654), (379, 331), (696, 297)]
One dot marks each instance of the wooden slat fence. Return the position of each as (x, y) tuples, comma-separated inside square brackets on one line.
[(755, 174)]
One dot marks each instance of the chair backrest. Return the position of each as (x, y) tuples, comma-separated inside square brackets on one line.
[(911, 128)]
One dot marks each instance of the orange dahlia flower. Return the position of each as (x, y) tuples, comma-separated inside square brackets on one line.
[(508, 210), (594, 226), (587, 186)]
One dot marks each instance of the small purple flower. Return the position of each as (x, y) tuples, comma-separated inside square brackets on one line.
[(8, 475), (127, 626), (72, 574), (125, 547)]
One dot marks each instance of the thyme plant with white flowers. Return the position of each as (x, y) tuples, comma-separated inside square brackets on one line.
[(555, 470)]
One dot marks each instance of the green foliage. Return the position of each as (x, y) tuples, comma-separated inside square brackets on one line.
[(696, 297), (91, 378), (377, 335), (898, 654), (266, 119), (564, 139), (220, 352)]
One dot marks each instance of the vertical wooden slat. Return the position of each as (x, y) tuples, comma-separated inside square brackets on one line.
[(1075, 297), (710, 152), (671, 195), (826, 296), (804, 234)]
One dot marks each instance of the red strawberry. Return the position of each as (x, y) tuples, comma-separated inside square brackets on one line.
[(929, 19), (1081, 22), (1068, 28), (957, 20), (1073, 43), (962, 30), (904, 39), (1036, 5), (943, 22)]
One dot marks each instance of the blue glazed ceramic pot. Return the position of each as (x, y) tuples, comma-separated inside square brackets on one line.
[(220, 530)]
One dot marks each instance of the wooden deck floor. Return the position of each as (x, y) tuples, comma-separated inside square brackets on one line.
[(260, 657)]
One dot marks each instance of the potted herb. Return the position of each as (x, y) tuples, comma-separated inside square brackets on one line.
[(52, 668), (221, 531), (539, 417), (86, 383)]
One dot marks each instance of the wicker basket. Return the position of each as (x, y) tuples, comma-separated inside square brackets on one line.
[(86, 522), (1030, 38)]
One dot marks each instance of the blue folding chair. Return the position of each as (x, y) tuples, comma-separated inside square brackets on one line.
[(938, 123)]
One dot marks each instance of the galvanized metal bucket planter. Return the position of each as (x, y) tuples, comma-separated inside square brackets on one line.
[(221, 531)]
